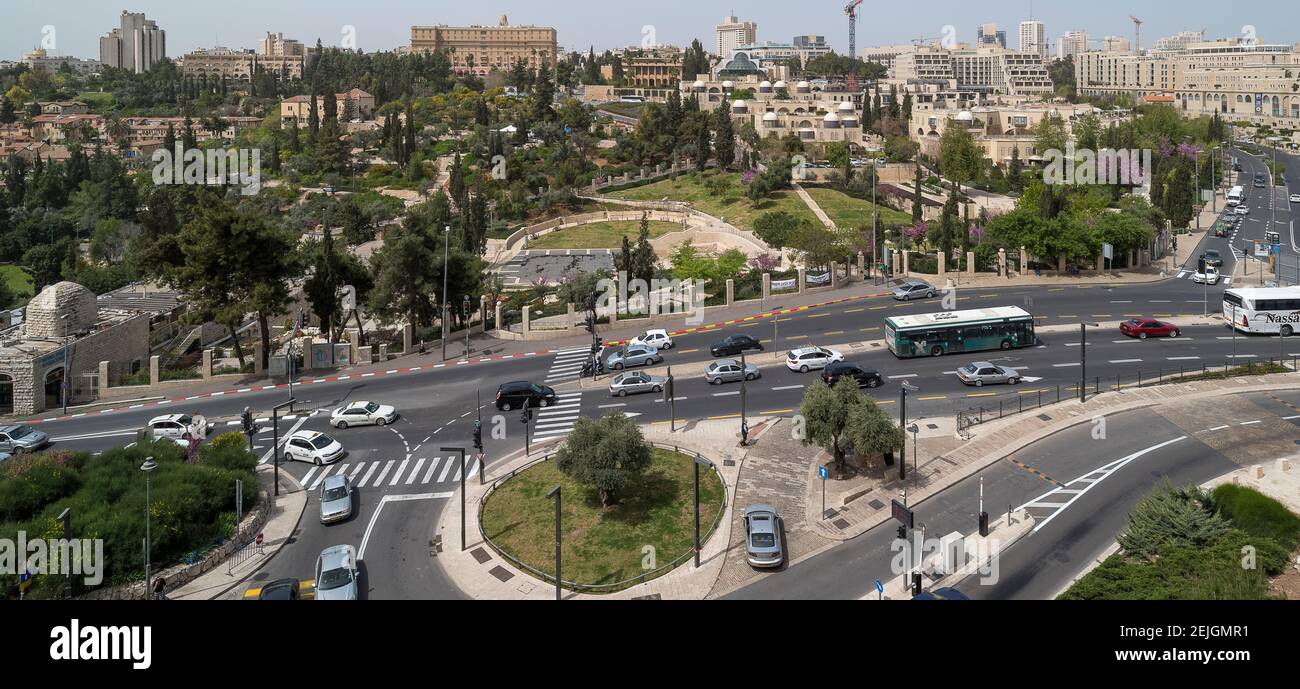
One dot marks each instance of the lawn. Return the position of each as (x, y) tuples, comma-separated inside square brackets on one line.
[(19, 282), (847, 211), (95, 99), (603, 546), (732, 207), (605, 235)]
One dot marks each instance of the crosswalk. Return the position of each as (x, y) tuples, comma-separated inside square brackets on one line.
[(394, 472), (559, 418), (567, 365), (1187, 275)]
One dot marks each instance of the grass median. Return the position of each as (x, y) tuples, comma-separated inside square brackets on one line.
[(603, 546)]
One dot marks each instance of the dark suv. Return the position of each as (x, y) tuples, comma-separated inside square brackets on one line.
[(516, 395), (735, 344), (866, 378)]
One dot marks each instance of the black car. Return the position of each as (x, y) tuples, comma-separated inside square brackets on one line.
[(516, 395), (866, 378), (735, 344), (281, 589), (1212, 258)]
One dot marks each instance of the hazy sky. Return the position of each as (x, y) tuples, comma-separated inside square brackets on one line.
[(385, 24)]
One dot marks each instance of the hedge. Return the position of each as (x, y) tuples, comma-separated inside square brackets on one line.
[(1257, 514)]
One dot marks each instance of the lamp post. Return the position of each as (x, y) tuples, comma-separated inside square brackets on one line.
[(744, 420), (275, 446), (63, 387), (464, 307), (446, 248), (914, 429), (148, 467), (65, 522), (555, 493), (461, 473), (699, 462), (525, 417), (905, 388), (1083, 359)]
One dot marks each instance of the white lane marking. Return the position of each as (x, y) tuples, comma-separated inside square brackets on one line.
[(910, 375), (789, 387), (415, 471), (726, 394), (401, 469), (361, 553), (311, 473), (1126, 361), (612, 406), (1076, 364), (379, 480), (433, 466), (553, 433), (356, 471), (446, 469), (1184, 358), (1250, 423)]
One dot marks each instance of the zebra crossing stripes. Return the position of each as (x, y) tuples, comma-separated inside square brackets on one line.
[(567, 365), (394, 472), (1186, 274), (559, 418)]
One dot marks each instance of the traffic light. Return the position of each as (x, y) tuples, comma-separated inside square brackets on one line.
[(247, 419), (478, 436)]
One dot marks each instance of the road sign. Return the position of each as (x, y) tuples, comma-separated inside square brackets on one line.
[(903, 514), (259, 540), (824, 473), (880, 588)]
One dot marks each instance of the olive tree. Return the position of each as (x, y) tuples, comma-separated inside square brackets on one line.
[(605, 454)]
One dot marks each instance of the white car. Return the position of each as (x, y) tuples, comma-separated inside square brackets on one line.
[(812, 359), (176, 427), (658, 339), (1209, 277), (363, 414), (1295, 198), (1242, 210), (314, 448)]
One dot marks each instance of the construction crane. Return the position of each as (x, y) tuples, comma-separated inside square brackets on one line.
[(1137, 35), (852, 11)]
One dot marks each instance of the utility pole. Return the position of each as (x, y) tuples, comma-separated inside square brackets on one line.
[(1083, 359), (446, 247)]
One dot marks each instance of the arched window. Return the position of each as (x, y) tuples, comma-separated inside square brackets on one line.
[(6, 393)]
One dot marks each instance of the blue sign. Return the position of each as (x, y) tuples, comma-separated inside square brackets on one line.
[(1277, 249), (824, 473), (880, 588)]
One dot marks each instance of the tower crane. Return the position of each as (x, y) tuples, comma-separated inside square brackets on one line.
[(1137, 35), (852, 11)]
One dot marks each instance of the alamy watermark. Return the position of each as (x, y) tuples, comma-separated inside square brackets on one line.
[(636, 297), (60, 556), (241, 167), (1107, 166)]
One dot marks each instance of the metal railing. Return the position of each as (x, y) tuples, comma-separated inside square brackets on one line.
[(596, 588), (1013, 403)]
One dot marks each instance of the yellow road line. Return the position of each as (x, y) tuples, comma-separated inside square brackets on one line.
[(984, 394), (720, 418), (776, 412), (930, 399), (855, 311), (835, 332)]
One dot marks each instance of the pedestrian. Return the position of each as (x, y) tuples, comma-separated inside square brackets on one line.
[(159, 589)]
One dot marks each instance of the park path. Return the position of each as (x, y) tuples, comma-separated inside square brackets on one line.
[(809, 201)]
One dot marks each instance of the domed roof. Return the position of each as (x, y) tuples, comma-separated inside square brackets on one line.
[(770, 117), (765, 85), (965, 116), (779, 85), (831, 117), (728, 84), (846, 107), (45, 312), (739, 104), (802, 85), (699, 84)]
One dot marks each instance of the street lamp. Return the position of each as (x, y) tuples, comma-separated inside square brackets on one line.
[(464, 307), (148, 467), (555, 493), (1083, 359), (744, 421), (914, 429), (699, 462), (64, 386), (461, 473), (524, 418), (275, 446), (446, 248), (905, 388)]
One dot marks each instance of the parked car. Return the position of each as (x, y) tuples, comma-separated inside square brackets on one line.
[(1142, 328), (728, 371), (1295, 198), (19, 438), (635, 382), (363, 414), (175, 427), (1209, 277), (867, 378), (5, 456), (983, 373), (313, 447), (914, 289), (633, 355), (516, 395), (735, 344), (1212, 258), (658, 339), (336, 573), (763, 546), (814, 358), (281, 589), (335, 499), (1242, 210)]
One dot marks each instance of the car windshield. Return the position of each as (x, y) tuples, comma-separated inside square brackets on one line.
[(334, 579), (321, 441), (19, 432), (372, 407), (335, 494), (970, 368), (763, 540)]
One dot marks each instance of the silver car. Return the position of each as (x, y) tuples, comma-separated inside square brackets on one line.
[(729, 371), (19, 438), (336, 573), (633, 355), (914, 289), (635, 382), (335, 499), (763, 547), (983, 373)]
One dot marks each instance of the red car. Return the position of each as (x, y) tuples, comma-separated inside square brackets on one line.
[(1142, 328)]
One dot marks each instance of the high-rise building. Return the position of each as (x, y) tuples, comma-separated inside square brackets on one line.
[(1181, 41), (988, 34), (733, 33), (1072, 43), (1116, 44), (276, 45), (1033, 38), (479, 50), (136, 45)]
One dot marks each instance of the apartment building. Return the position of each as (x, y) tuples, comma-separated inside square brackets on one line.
[(1179, 42), (1242, 80), (886, 55), (136, 45), (989, 35), (356, 101), (479, 50), (653, 69), (240, 65), (40, 61), (1001, 129), (1033, 38), (1116, 44), (733, 33), (1072, 43)]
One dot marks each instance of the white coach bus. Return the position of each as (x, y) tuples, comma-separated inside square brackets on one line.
[(1263, 311)]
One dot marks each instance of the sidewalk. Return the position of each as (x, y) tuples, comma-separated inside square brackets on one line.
[(224, 582), (481, 573)]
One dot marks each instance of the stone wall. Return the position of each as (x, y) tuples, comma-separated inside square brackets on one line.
[(121, 343)]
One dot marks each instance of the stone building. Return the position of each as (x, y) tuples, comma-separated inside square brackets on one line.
[(65, 334)]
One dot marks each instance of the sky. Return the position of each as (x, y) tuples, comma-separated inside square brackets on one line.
[(73, 26)]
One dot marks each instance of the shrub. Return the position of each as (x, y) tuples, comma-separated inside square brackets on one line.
[(1171, 516), (229, 451), (1257, 514)]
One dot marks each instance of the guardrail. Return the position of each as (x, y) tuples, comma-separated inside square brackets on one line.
[(596, 588), (1013, 403)]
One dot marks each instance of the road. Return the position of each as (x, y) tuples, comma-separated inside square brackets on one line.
[(1270, 208)]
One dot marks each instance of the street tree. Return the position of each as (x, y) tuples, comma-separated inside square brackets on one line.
[(605, 455), (826, 414)]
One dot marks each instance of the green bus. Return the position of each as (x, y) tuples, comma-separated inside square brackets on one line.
[(955, 332)]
